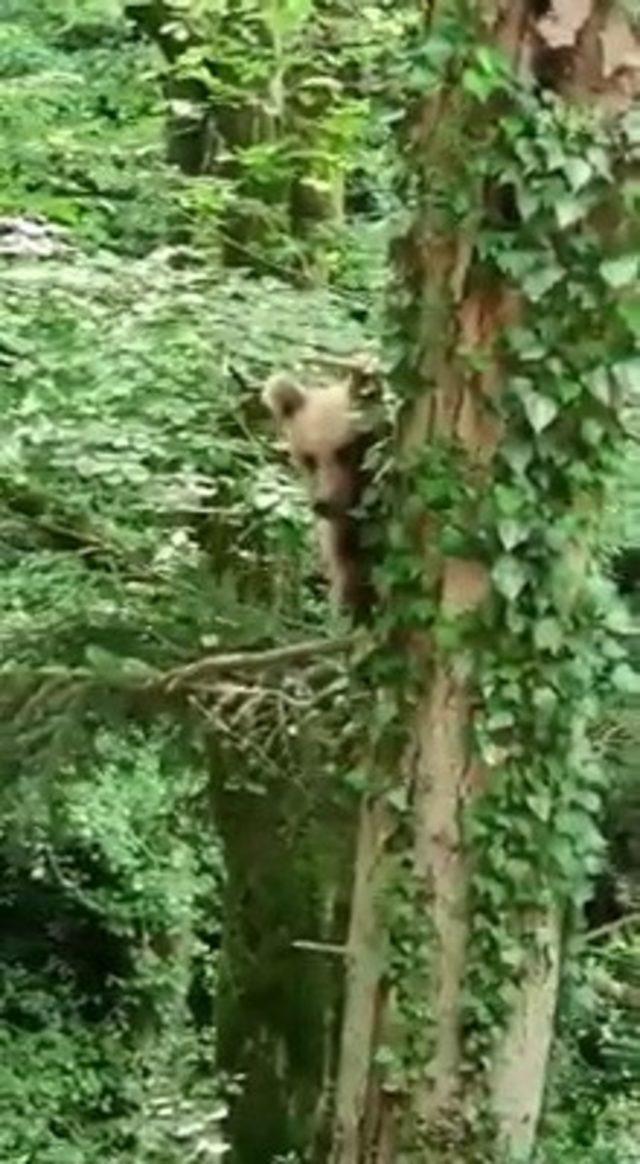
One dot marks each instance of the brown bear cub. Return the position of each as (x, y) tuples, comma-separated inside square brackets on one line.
[(327, 434)]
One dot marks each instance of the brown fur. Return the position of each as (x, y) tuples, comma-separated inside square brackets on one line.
[(326, 433)]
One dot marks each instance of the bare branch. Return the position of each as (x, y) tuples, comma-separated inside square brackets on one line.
[(195, 673), (321, 947), (620, 923), (621, 992)]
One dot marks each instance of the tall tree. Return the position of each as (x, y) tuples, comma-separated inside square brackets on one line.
[(514, 340), (265, 96)]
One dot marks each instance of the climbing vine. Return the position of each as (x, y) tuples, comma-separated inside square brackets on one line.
[(537, 190), (548, 652)]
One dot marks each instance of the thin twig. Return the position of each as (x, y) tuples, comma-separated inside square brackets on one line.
[(621, 992), (620, 923), (321, 947)]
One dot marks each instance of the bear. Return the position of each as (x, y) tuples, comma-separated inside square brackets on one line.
[(328, 430)]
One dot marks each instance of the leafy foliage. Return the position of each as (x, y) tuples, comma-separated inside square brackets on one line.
[(143, 521)]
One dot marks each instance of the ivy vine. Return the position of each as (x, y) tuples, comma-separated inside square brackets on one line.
[(534, 186)]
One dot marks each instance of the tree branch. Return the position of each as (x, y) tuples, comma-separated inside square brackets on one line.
[(611, 927), (194, 673)]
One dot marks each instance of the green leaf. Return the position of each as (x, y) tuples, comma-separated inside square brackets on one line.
[(509, 576), (540, 410), (627, 375), (398, 798), (630, 313), (568, 211), (579, 825), (507, 500), (625, 679), (527, 344), (545, 699), (499, 720), (511, 533), (517, 454), (536, 284), (592, 431), (357, 779), (621, 272), (590, 801), (564, 855), (599, 385), (548, 635), (578, 173), (540, 804), (528, 203), (386, 1057)]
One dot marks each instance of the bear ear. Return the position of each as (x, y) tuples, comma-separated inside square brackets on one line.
[(283, 396)]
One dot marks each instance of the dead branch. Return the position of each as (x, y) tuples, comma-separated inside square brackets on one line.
[(620, 923), (193, 674), (620, 992)]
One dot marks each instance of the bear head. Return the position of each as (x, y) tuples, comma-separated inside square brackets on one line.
[(327, 434)]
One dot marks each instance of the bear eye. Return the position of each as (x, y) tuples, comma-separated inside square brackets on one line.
[(309, 462)]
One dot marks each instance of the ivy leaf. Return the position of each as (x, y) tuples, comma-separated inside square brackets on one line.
[(540, 805), (630, 312), (508, 501), (578, 173), (511, 533), (500, 720), (568, 210), (545, 699), (540, 410), (528, 203), (517, 454), (526, 343), (536, 284), (625, 679), (386, 1057), (356, 780), (590, 801), (620, 272), (548, 635), (592, 431), (398, 799), (627, 375), (509, 576), (599, 385), (478, 84), (577, 824), (562, 852)]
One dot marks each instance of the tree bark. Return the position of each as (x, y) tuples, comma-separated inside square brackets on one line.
[(281, 964)]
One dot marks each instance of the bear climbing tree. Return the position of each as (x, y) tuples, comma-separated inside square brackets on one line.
[(328, 430)]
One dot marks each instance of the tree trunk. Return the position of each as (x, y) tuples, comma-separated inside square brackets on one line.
[(281, 962), (488, 912)]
